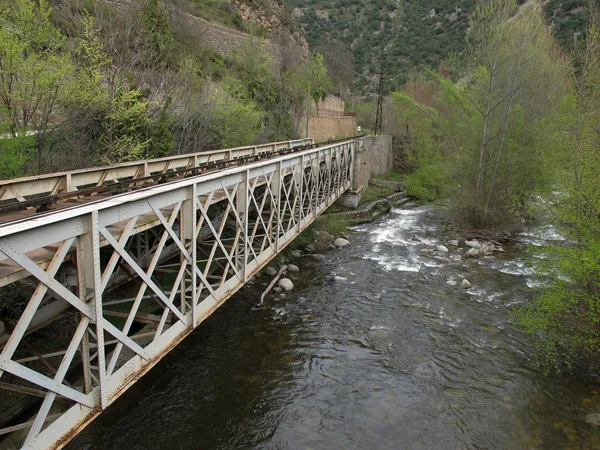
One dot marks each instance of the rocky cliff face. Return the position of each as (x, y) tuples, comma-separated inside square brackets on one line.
[(226, 26), (271, 16)]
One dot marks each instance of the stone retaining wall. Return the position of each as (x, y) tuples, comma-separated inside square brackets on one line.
[(373, 156)]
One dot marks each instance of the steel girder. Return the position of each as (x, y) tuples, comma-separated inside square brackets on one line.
[(21, 189), (219, 229)]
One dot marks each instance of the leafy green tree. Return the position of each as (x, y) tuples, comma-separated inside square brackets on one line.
[(37, 73), (161, 143), (564, 316), (125, 136), (492, 125), (157, 32), (234, 118)]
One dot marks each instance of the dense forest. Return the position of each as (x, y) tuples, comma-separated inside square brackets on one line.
[(400, 38), (87, 83)]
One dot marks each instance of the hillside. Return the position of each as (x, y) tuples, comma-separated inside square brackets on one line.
[(84, 82), (400, 37)]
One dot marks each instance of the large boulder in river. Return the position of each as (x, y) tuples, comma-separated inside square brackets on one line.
[(341, 242), (472, 253), (286, 284)]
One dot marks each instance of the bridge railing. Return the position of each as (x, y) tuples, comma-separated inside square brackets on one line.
[(184, 246), (21, 189)]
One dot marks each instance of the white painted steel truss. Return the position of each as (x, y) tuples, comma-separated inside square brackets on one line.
[(185, 247)]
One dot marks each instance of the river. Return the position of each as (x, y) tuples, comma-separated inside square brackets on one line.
[(393, 358)]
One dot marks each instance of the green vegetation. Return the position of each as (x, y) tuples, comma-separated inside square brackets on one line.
[(403, 37), (394, 175), (375, 192), (564, 317), (333, 224), (482, 136), (71, 95)]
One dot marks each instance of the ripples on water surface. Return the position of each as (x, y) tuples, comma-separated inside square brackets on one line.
[(394, 358)]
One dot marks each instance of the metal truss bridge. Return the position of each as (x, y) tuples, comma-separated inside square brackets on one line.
[(107, 269)]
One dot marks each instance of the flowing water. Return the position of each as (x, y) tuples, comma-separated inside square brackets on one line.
[(394, 358)]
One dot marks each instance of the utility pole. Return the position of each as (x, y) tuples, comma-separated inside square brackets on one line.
[(379, 112)]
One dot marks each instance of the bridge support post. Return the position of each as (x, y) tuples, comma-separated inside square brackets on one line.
[(298, 190), (241, 206), (187, 226), (89, 248), (315, 176), (276, 206)]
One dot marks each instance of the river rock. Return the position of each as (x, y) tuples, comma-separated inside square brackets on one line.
[(473, 244), (270, 271), (310, 248), (593, 419), (318, 257), (293, 268), (338, 279), (295, 254), (465, 283), (426, 250), (453, 243), (499, 249), (286, 284), (277, 289), (487, 249), (442, 248), (456, 258), (472, 253), (282, 295), (451, 282), (341, 242)]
